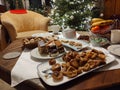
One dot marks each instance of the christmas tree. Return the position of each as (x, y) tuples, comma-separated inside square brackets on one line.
[(72, 13)]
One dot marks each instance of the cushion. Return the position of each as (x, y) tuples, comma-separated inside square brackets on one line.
[(28, 33)]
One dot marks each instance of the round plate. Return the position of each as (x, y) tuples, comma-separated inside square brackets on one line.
[(11, 55), (34, 53), (114, 49), (46, 34)]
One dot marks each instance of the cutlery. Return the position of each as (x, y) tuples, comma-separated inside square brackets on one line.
[(47, 71)]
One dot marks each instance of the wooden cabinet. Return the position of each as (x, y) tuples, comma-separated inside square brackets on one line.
[(111, 8), (112, 11), (117, 7)]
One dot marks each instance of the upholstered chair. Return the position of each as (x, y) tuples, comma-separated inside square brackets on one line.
[(24, 25)]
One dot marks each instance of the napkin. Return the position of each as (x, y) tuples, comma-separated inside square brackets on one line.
[(115, 36), (24, 69)]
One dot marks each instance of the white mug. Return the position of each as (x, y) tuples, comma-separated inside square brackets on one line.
[(115, 36), (54, 28)]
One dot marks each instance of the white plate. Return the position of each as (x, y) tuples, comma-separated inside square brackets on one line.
[(46, 34), (41, 67), (11, 55), (34, 53), (84, 44), (114, 49), (62, 37)]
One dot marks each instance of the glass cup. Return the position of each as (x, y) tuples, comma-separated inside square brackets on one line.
[(54, 28)]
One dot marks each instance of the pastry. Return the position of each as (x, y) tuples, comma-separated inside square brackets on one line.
[(57, 76), (52, 49), (59, 46), (52, 61), (42, 49), (71, 72), (56, 67)]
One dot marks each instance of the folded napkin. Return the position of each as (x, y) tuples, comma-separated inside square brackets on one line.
[(115, 36), (24, 69)]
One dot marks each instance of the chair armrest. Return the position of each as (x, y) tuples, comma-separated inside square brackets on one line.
[(4, 38), (11, 30)]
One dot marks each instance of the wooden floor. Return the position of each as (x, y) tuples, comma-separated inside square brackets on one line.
[(5, 86)]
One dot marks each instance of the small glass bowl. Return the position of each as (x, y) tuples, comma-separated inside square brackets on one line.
[(99, 40), (101, 37)]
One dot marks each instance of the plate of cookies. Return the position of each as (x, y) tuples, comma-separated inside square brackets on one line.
[(48, 50), (72, 65), (74, 44)]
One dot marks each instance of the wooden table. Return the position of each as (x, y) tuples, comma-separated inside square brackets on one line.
[(93, 80)]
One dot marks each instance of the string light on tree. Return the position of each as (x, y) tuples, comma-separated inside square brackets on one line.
[(72, 13)]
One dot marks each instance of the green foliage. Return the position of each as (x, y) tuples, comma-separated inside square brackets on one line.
[(42, 10), (72, 13)]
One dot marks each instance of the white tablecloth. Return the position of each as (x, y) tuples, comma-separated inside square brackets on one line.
[(26, 68)]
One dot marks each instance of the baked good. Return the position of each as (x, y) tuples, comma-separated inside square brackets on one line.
[(52, 61), (31, 42), (59, 46), (71, 72), (56, 67), (52, 49), (42, 49), (57, 76)]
